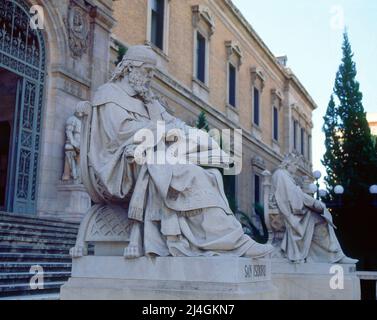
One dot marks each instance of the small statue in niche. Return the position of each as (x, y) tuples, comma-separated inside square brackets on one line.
[(78, 24), (72, 148)]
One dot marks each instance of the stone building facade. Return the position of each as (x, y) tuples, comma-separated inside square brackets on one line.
[(52, 55), (229, 40), (210, 59)]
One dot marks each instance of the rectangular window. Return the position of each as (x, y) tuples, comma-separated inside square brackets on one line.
[(157, 23), (257, 189), (200, 58), (276, 124), (302, 140), (230, 190), (256, 106), (295, 132), (232, 85)]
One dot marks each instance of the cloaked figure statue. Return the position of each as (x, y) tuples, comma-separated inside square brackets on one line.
[(309, 234), (174, 209)]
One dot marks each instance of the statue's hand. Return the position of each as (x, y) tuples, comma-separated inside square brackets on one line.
[(78, 252), (76, 145), (68, 147), (174, 134), (320, 206), (130, 153)]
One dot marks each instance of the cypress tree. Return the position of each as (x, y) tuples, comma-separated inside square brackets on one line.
[(122, 50), (351, 159), (202, 122), (332, 144)]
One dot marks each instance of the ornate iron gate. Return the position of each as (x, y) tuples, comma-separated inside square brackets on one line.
[(22, 52)]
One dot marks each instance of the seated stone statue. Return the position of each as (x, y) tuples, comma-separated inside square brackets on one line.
[(309, 229), (176, 209)]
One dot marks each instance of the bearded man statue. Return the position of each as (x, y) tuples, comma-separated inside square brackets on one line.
[(177, 209)]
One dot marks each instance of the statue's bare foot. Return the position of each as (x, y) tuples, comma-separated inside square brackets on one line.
[(77, 252), (258, 250), (347, 260), (132, 252)]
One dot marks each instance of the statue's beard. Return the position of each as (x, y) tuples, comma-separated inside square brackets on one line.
[(140, 83)]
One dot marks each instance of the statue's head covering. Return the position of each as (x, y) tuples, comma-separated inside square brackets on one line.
[(306, 185), (141, 55), (291, 158), (135, 56)]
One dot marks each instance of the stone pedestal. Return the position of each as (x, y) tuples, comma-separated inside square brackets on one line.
[(215, 278), (75, 201), (315, 281)]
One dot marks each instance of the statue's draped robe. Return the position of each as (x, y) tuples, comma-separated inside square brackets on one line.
[(309, 228), (183, 207)]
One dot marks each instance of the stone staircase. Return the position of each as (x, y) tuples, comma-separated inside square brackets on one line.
[(28, 243)]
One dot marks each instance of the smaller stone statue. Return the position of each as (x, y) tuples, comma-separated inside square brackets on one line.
[(72, 148), (309, 234)]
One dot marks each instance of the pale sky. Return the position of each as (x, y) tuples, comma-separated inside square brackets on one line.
[(310, 34)]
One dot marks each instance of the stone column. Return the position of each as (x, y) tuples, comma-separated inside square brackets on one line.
[(266, 199), (287, 123), (102, 22)]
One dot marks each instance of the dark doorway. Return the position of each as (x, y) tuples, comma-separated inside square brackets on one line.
[(22, 77), (8, 93), (4, 156)]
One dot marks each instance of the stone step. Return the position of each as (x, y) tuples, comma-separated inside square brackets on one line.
[(30, 294), (28, 219), (27, 241), (11, 240), (21, 237), (34, 248), (36, 234), (16, 239), (22, 288), (25, 277), (28, 227), (34, 297), (15, 267), (34, 257)]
